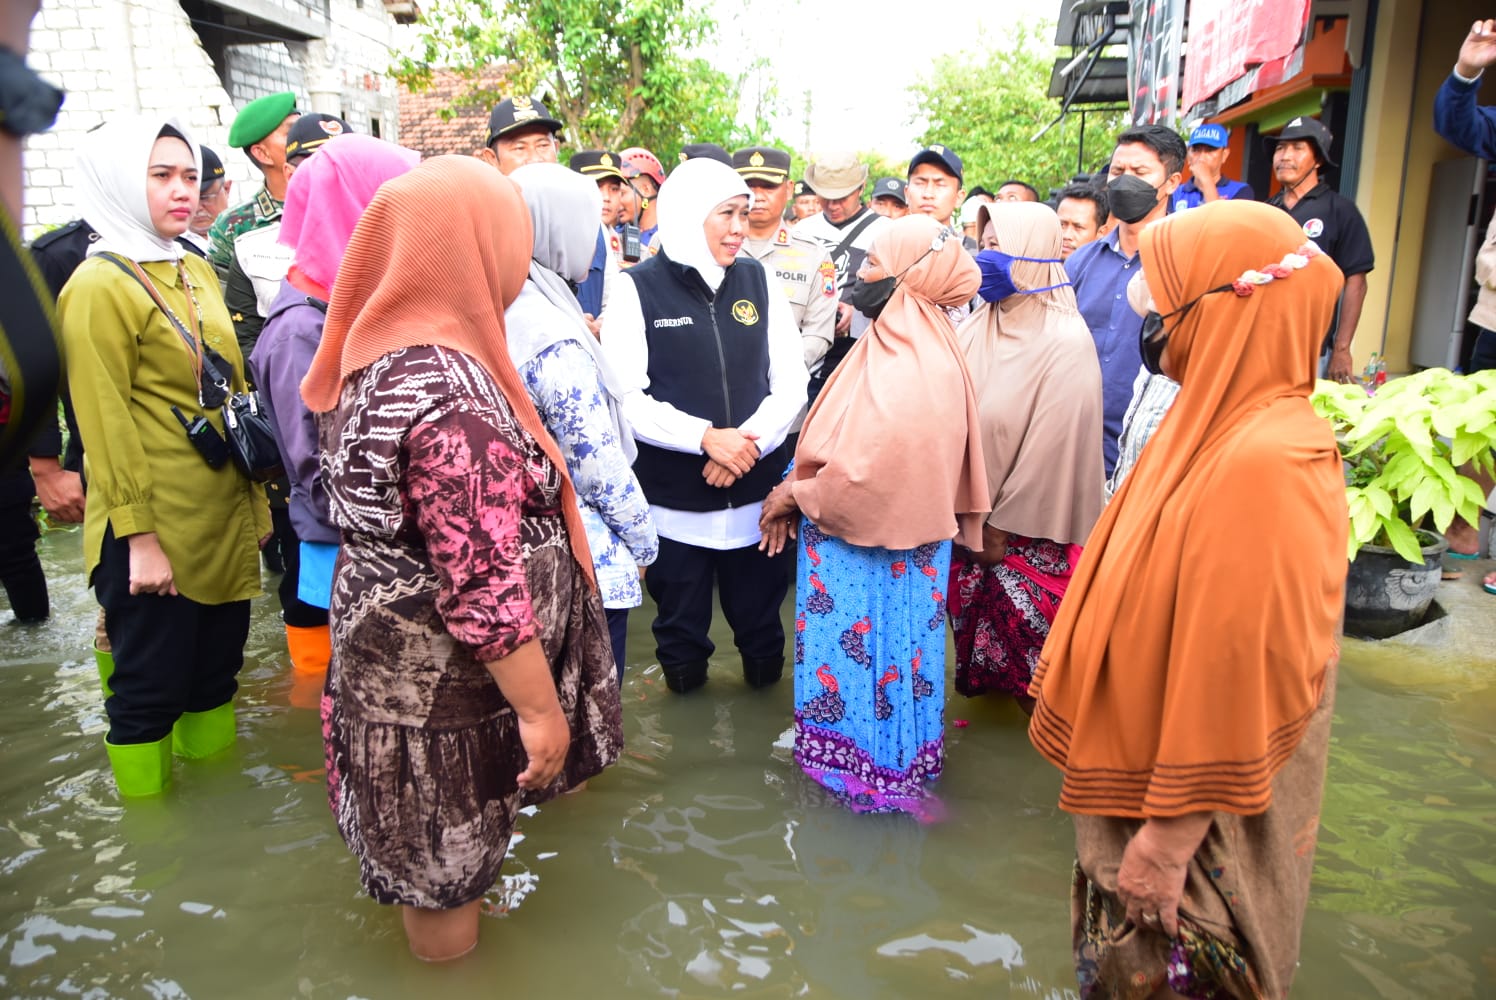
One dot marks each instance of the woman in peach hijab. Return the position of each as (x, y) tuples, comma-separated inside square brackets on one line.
[(471, 672), (1186, 687), (1038, 382), (888, 470)]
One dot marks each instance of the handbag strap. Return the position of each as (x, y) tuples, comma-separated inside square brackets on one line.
[(198, 350)]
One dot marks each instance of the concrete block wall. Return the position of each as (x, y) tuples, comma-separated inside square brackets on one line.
[(121, 57)]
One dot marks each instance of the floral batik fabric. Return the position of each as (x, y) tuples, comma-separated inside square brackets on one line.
[(1001, 614), (870, 670), (563, 383), (454, 554)]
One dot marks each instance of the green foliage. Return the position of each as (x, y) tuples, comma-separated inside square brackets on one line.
[(987, 105), (1403, 448), (615, 72)]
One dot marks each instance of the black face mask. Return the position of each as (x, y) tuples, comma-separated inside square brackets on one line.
[(1153, 338), (869, 297), (1131, 198)]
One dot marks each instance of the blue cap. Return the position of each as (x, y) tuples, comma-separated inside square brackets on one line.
[(1213, 136)]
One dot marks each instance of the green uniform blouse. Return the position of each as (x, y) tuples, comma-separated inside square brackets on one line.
[(127, 366)]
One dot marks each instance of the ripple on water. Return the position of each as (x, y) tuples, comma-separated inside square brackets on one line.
[(703, 865)]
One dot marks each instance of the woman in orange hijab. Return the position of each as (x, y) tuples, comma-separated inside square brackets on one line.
[(471, 672), (1186, 687), (888, 470)]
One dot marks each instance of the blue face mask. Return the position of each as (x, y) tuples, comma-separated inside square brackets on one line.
[(997, 275)]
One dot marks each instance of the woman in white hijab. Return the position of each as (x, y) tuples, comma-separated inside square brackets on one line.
[(575, 391), (172, 529), (710, 366)]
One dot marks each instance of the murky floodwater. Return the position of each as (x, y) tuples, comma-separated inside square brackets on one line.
[(703, 865)]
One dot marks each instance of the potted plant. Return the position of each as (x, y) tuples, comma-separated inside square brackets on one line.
[(1403, 447)]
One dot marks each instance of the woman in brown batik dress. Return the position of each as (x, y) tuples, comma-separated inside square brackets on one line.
[(471, 672)]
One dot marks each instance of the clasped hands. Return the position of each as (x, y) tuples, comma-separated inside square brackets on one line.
[(730, 454)]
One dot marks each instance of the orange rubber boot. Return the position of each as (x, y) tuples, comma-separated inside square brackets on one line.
[(310, 648)]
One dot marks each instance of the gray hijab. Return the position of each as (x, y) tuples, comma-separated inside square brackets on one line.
[(564, 207)]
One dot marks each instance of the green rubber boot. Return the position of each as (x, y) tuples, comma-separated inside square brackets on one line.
[(202, 734), (140, 769), (105, 660)]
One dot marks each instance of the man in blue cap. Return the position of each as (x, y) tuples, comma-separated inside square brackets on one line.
[(260, 130), (1208, 154)]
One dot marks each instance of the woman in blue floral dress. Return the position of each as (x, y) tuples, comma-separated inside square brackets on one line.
[(571, 386), (888, 471)]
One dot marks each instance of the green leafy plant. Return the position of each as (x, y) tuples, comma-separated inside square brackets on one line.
[(1403, 449)]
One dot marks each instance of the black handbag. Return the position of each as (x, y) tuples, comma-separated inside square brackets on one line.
[(247, 428)]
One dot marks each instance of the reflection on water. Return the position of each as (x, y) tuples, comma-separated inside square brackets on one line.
[(703, 865)]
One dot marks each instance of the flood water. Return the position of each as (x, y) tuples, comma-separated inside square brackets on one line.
[(702, 865)]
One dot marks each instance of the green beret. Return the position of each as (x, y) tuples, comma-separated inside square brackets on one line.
[(259, 118)]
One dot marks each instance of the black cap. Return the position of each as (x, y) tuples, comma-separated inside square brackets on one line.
[(516, 113), (762, 163), (312, 130), (802, 189), (891, 187), (1310, 129), (597, 164), (212, 167), (939, 155), (710, 150)]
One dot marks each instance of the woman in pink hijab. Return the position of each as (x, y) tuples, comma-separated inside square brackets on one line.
[(324, 200)]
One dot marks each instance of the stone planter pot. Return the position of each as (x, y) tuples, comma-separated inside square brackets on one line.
[(1385, 594)]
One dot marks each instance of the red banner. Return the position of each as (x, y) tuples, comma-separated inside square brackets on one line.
[(1226, 41)]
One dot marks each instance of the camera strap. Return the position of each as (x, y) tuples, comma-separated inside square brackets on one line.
[(201, 363)]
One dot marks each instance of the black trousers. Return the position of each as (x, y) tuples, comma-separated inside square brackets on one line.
[(296, 612), (618, 635), (20, 568), (171, 654), (750, 585)]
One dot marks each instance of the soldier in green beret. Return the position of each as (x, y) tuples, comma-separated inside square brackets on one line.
[(260, 130)]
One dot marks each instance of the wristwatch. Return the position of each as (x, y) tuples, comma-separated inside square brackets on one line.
[(28, 104)]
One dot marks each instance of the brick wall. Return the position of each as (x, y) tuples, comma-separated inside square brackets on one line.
[(422, 127)]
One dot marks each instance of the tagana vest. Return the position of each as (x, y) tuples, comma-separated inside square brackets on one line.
[(709, 357)]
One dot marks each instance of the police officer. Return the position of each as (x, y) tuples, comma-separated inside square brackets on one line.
[(1331, 220), (259, 259), (212, 198), (260, 130), (606, 169), (802, 265), (521, 131)]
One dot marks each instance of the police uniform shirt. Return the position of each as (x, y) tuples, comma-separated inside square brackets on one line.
[(805, 270), (1335, 224)]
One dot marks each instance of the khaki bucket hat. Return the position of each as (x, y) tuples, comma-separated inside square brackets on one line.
[(836, 175)]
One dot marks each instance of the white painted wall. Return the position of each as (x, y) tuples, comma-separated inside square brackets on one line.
[(119, 57)]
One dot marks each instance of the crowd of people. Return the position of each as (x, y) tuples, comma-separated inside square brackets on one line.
[(509, 396)]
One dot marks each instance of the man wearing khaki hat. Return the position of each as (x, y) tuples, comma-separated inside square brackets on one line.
[(845, 227)]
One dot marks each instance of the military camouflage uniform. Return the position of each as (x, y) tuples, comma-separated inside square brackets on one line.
[(258, 211)]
